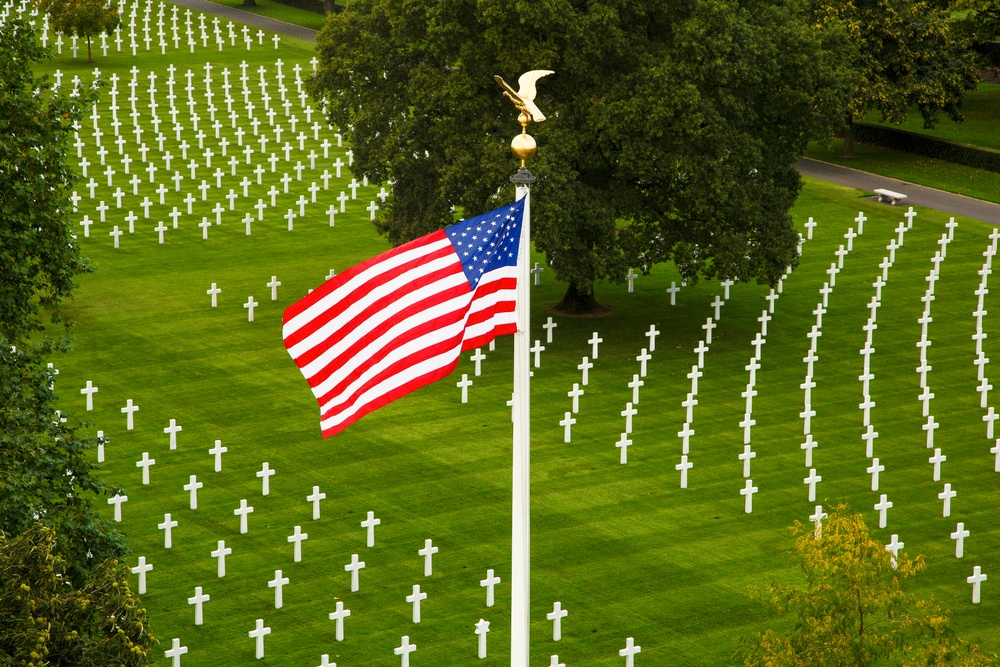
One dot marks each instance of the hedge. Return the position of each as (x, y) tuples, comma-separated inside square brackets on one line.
[(927, 146)]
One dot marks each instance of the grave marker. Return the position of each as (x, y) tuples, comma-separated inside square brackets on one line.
[(314, 499), (353, 567), (959, 536), (339, 615), (629, 651), (242, 512), (297, 537), (172, 430), (278, 583), (198, 601), (258, 634), (482, 627), (415, 598), (428, 553), (976, 579), (192, 486), (141, 569), (167, 527), (175, 652)]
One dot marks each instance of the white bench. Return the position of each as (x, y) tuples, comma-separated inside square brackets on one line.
[(889, 195)]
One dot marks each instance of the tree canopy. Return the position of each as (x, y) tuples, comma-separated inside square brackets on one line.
[(854, 610), (84, 18), (47, 620), (46, 474), (903, 53), (672, 132)]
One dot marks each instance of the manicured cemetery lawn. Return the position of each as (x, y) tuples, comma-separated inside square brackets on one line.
[(280, 12), (625, 550), (977, 183)]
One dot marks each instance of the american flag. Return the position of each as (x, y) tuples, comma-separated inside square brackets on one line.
[(401, 320)]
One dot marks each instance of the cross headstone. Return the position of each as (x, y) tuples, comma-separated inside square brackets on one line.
[(198, 600), (874, 469), (129, 410), (117, 501), (630, 650), (242, 512), (141, 569), (369, 524), (747, 456), (811, 481), (747, 492), (172, 430), (167, 527), (623, 444), (145, 463), (250, 305), (882, 506), (192, 487), (936, 460), (946, 496), (404, 650), (817, 519), (575, 393), (339, 615), (353, 567), (415, 599), (259, 632), (672, 291), (265, 474), (556, 616), (537, 272), (217, 451), (278, 583), (464, 384), (976, 579), (645, 356), (634, 385), (595, 342), (89, 392), (628, 413), (297, 537), (314, 498), (489, 583), (894, 548), (585, 367), (428, 553), (959, 536), (683, 468), (176, 651)]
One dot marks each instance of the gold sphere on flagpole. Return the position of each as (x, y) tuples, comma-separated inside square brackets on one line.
[(523, 145)]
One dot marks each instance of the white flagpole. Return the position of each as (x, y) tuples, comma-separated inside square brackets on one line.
[(520, 577)]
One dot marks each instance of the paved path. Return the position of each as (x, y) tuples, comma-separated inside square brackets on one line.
[(240, 16), (917, 195)]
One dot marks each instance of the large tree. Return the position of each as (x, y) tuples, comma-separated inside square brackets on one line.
[(854, 610), (47, 620), (83, 18), (46, 471), (904, 53), (672, 134)]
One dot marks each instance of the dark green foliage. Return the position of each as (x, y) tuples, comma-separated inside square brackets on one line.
[(921, 144), (672, 131), (47, 620), (45, 473), (84, 18)]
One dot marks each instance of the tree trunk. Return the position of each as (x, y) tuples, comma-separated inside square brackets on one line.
[(90, 57), (579, 301), (848, 138), (249, 3)]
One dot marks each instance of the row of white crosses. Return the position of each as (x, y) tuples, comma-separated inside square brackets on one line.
[(130, 14), (192, 119), (296, 538), (759, 340)]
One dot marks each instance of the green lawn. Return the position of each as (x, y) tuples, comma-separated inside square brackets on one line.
[(981, 109), (280, 12), (623, 548)]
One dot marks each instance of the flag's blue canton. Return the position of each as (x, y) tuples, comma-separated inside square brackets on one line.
[(488, 241)]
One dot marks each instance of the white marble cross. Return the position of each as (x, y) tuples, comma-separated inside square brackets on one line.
[(464, 385), (353, 567), (567, 422), (214, 292), (339, 615), (672, 291), (370, 524), (629, 651), (549, 326), (874, 469), (297, 537), (489, 583), (556, 616), (314, 499), (145, 463), (747, 456), (404, 650), (141, 569), (129, 410), (585, 366), (89, 391), (976, 579), (217, 452), (274, 285), (959, 536), (683, 468), (575, 393), (265, 474), (893, 548), (623, 444), (250, 305), (883, 506), (278, 583), (415, 598), (198, 600), (747, 492), (946, 497), (258, 634), (428, 553), (817, 519), (243, 511), (478, 357), (167, 527), (117, 501), (175, 652)]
